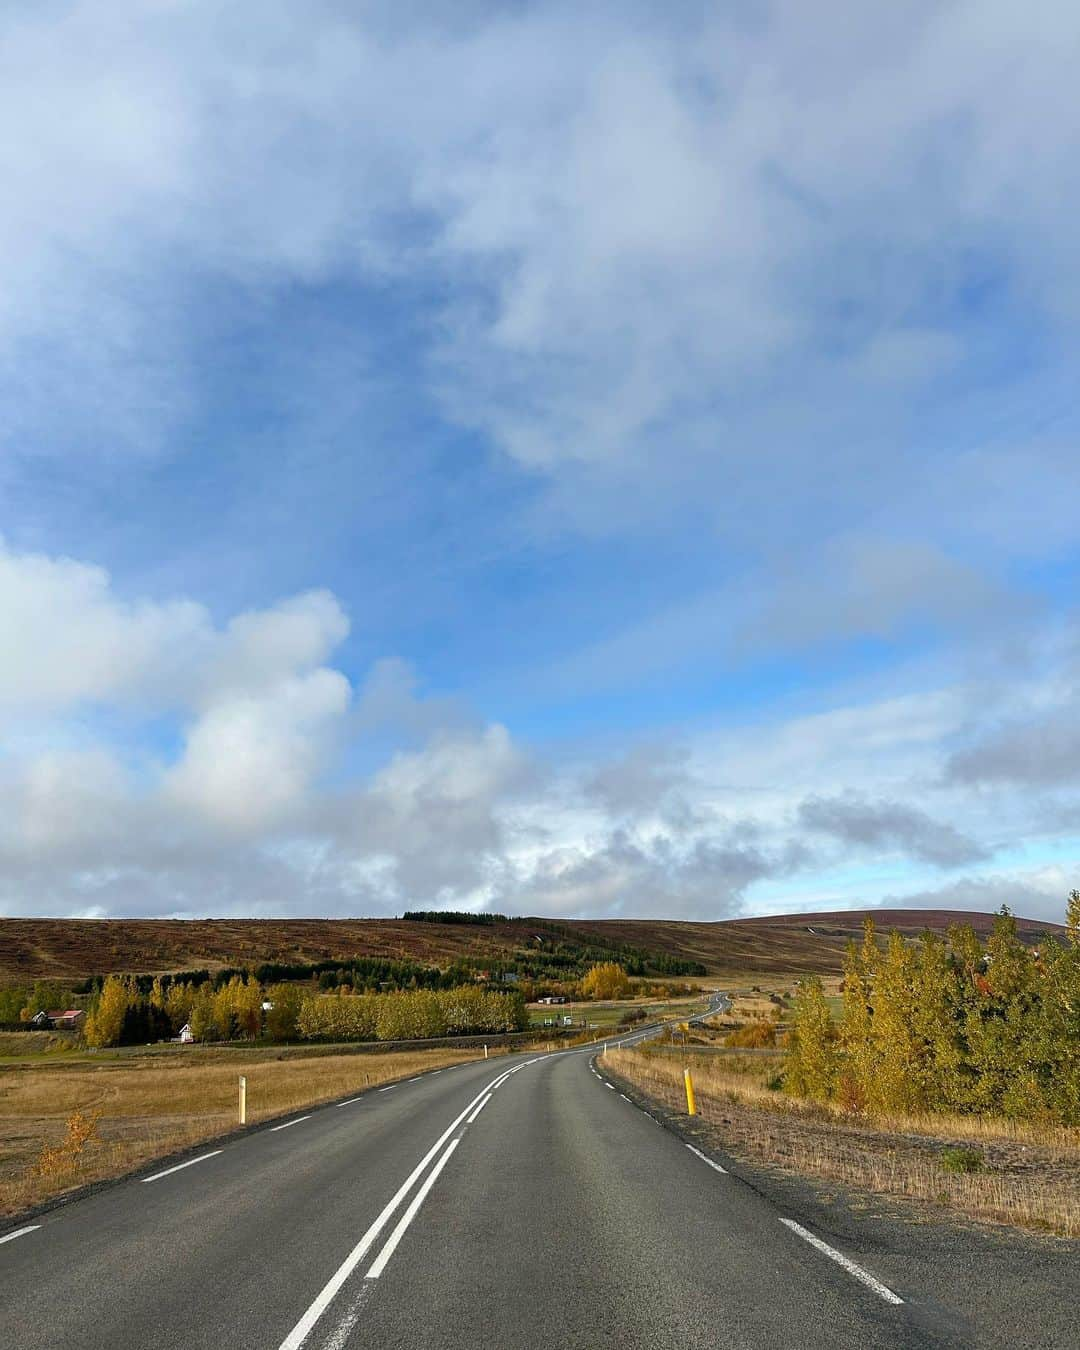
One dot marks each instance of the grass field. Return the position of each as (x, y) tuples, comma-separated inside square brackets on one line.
[(1030, 1174), (154, 1104)]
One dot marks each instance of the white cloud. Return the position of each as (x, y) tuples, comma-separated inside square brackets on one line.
[(250, 758)]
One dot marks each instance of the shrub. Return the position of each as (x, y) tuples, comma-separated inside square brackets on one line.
[(963, 1160), (755, 1036)]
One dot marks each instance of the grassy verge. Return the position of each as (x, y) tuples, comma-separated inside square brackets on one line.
[(1015, 1173), (143, 1108)]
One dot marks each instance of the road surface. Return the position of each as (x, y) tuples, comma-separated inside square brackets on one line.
[(522, 1202)]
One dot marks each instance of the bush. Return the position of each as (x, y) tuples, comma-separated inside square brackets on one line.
[(963, 1160), (755, 1036)]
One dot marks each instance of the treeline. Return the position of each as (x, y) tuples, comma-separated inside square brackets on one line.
[(954, 1026), (453, 916), (20, 1003), (123, 1014), (363, 972), (411, 1015)]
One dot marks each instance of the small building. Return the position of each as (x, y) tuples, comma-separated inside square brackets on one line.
[(66, 1019), (553, 998), (40, 1019), (186, 1037)]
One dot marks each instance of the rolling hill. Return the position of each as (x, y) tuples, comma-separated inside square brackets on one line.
[(73, 949)]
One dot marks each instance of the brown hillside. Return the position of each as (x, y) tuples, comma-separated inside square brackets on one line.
[(75, 948)]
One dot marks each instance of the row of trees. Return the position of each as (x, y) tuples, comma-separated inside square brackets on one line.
[(947, 1026), (124, 1014), (411, 1015), (20, 1003)]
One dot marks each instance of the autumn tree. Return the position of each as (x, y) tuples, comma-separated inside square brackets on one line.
[(811, 1067), (281, 1018), (105, 1021), (606, 980)]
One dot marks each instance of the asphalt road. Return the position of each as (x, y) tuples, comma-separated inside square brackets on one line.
[(523, 1202)]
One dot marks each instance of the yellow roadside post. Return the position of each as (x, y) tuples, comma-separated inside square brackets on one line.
[(691, 1107), (243, 1100)]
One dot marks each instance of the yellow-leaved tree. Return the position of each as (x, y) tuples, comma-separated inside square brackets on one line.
[(105, 1022), (607, 979)]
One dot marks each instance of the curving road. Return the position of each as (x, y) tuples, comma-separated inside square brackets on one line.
[(524, 1202)]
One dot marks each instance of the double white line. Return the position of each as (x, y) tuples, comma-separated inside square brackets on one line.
[(296, 1338)]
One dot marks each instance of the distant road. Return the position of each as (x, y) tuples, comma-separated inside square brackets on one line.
[(519, 1203)]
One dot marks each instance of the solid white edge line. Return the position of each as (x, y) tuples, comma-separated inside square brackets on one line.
[(864, 1276), (275, 1128), (705, 1159), (478, 1109), (295, 1339), (19, 1232), (180, 1166)]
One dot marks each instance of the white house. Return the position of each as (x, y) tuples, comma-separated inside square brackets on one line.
[(185, 1036)]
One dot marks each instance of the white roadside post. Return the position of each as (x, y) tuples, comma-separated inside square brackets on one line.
[(485, 1050), (243, 1100)]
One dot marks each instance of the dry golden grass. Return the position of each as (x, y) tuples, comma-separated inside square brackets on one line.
[(147, 1107), (1032, 1174)]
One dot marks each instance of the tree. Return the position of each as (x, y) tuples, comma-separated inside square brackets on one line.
[(282, 1016), (812, 1064), (896, 1083), (204, 1026), (856, 1038), (1072, 916), (605, 980), (247, 1006), (105, 1022), (178, 1003)]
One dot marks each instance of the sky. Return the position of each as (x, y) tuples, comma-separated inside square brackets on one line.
[(616, 460)]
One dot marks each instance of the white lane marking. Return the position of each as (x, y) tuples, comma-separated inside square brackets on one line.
[(714, 1165), (350, 1101), (275, 1128), (414, 1080), (388, 1089), (30, 1228), (610, 1087), (418, 1199), (625, 1097), (478, 1109), (180, 1166), (871, 1282), (295, 1339)]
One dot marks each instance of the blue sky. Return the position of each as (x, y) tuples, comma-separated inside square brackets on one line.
[(617, 462)]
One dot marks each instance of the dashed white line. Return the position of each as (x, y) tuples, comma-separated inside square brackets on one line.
[(421, 1195), (882, 1290), (478, 1109), (625, 1097), (388, 1089), (610, 1087), (180, 1166), (714, 1165), (20, 1232), (350, 1101), (274, 1128)]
